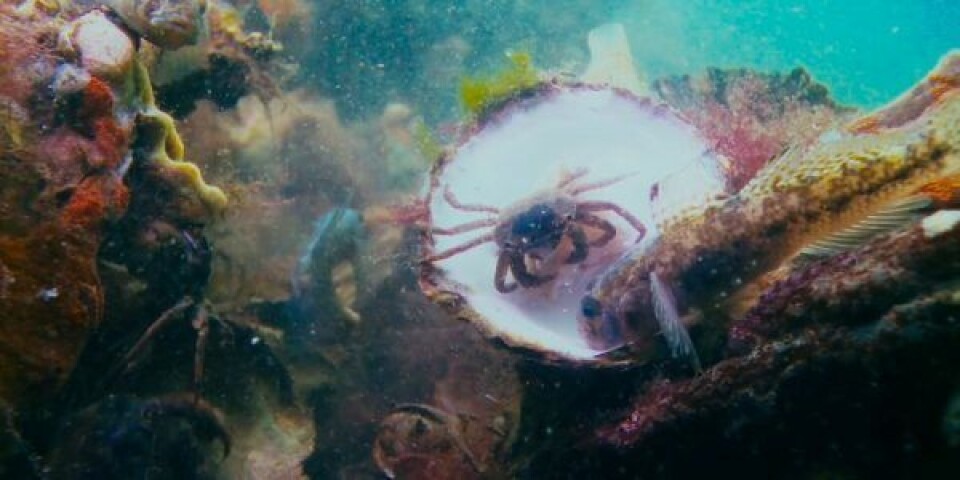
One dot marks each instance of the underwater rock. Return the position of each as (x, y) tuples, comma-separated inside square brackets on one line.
[(882, 280), (128, 437), (59, 191), (73, 106), (226, 64), (857, 285), (49, 307), (822, 299), (823, 399), (812, 202), (751, 117), (17, 458)]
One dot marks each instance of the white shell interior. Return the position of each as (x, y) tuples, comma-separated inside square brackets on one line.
[(527, 149)]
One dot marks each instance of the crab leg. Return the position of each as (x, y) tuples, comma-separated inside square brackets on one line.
[(460, 248), (161, 321), (598, 206), (598, 184), (202, 325), (569, 177), (465, 227), (518, 265), (609, 231), (580, 245), (468, 207)]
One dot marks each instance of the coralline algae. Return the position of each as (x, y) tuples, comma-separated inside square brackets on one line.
[(95, 98)]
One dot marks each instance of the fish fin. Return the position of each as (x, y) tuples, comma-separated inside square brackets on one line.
[(886, 220), (671, 327)]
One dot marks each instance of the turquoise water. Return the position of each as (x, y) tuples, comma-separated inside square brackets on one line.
[(867, 51), (325, 321)]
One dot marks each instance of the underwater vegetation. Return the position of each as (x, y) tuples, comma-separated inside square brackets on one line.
[(211, 267), (478, 95), (841, 240)]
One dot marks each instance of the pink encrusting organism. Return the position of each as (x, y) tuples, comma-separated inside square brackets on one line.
[(750, 118)]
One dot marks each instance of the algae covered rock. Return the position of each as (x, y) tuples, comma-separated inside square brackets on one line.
[(78, 117)]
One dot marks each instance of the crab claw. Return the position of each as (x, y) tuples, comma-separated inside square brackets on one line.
[(206, 420), (500, 276), (518, 265)]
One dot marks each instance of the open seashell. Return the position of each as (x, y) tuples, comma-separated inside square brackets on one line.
[(520, 212)]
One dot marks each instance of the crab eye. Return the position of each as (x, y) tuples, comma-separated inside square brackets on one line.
[(590, 307)]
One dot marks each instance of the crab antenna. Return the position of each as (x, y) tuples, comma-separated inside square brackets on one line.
[(465, 227), (452, 200), (566, 178), (460, 248), (598, 184)]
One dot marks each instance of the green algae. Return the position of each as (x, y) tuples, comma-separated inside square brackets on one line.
[(478, 94)]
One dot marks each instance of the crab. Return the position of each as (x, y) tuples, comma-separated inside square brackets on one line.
[(529, 233)]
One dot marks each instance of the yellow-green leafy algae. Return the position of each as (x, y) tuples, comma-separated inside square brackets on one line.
[(479, 95), (168, 151), (131, 84)]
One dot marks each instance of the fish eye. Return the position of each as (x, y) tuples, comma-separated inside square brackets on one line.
[(590, 307)]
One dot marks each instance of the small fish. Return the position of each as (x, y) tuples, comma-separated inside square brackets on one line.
[(810, 203), (328, 275)]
